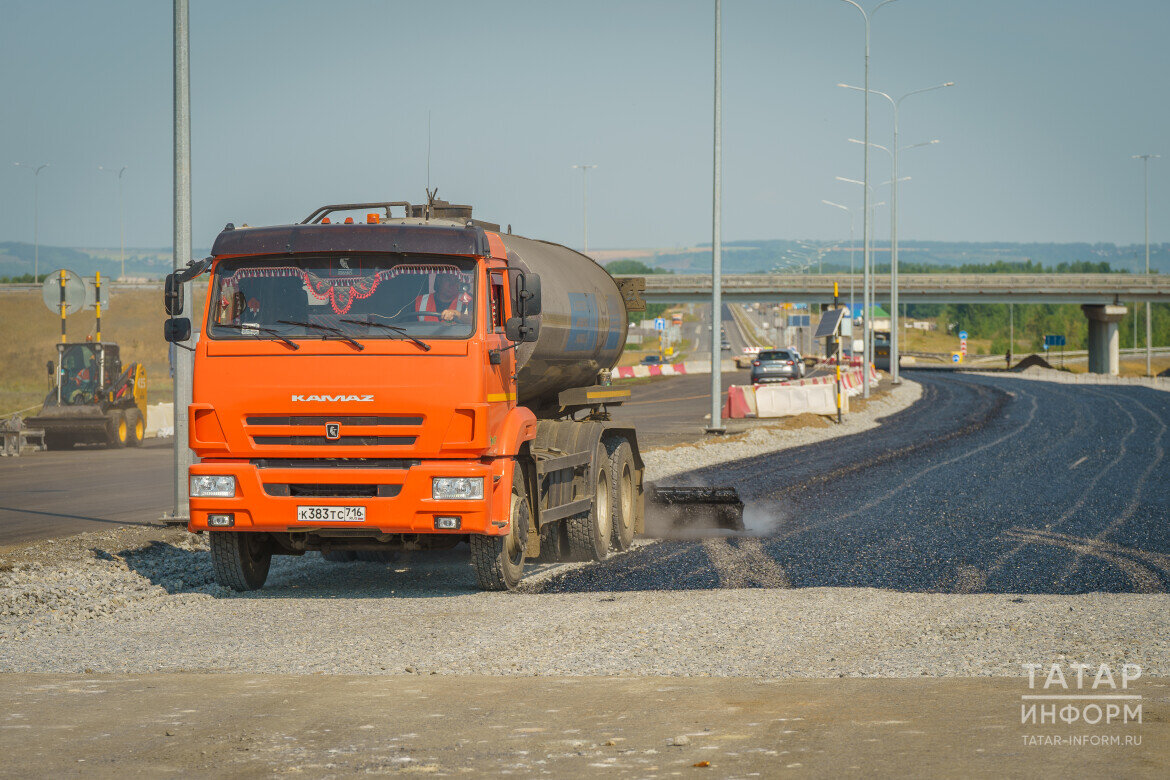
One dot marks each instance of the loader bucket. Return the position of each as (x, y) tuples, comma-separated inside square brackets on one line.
[(673, 507)]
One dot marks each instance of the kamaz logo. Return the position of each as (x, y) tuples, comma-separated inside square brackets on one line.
[(333, 398)]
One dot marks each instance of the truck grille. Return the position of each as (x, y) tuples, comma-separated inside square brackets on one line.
[(396, 464), (319, 490), (344, 441), (297, 421)]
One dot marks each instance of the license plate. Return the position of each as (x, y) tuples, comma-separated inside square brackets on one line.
[(331, 514)]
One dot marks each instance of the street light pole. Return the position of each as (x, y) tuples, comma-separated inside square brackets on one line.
[(851, 223), (121, 217), (36, 172), (1145, 158), (184, 358), (865, 229), (585, 204), (894, 353), (716, 423)]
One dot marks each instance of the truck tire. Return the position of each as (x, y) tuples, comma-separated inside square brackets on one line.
[(589, 532), (135, 427), (58, 441), (240, 559), (339, 556), (117, 431), (499, 560), (552, 549), (622, 492)]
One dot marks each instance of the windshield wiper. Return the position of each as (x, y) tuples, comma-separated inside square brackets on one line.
[(401, 331), (335, 331), (271, 331)]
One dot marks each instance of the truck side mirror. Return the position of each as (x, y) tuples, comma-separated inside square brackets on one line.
[(177, 329), (173, 295), (526, 294), (521, 329)]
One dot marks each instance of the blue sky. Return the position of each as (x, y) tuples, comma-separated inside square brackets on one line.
[(296, 104)]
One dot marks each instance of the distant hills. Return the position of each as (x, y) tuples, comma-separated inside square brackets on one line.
[(16, 258)]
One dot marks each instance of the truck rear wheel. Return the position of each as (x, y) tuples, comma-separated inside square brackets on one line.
[(499, 560), (589, 532), (622, 491), (135, 426), (117, 431), (240, 559)]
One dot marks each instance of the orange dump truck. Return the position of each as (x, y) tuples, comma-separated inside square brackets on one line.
[(378, 383)]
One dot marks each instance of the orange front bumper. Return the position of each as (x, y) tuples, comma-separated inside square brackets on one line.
[(411, 510)]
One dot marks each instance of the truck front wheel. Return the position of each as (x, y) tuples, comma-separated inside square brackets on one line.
[(240, 560), (499, 560)]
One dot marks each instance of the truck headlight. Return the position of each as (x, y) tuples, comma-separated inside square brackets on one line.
[(446, 488), (205, 486)]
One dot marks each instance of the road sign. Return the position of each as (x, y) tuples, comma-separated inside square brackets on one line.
[(660, 323), (75, 292), (1054, 341), (956, 357), (963, 335), (798, 320), (963, 346), (91, 295)]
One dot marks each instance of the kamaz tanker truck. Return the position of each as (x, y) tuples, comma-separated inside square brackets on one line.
[(386, 383)]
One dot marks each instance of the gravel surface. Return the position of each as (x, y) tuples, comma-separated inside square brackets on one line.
[(726, 607)]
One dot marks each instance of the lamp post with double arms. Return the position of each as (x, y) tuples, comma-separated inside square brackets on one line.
[(865, 229), (896, 103)]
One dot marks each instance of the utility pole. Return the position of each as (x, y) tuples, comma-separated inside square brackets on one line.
[(585, 205), (36, 172), (184, 357), (1145, 158), (716, 424)]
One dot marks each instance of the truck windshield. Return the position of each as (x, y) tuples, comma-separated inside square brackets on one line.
[(324, 297)]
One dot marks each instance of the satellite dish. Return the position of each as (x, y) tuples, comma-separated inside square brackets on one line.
[(91, 291), (75, 294)]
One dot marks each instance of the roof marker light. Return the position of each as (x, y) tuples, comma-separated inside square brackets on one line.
[(372, 219), (326, 221), (349, 220)]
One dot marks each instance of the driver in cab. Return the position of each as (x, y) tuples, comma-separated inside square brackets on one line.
[(448, 303)]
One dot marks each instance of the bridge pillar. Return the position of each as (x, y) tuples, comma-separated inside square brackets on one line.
[(1104, 343)]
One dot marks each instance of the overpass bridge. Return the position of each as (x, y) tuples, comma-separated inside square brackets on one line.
[(1085, 289), (1102, 297)]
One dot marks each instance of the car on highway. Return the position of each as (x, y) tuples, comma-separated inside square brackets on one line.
[(725, 344), (651, 360), (776, 365)]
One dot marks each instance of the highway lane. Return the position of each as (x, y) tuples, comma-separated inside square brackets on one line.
[(988, 484), (49, 494)]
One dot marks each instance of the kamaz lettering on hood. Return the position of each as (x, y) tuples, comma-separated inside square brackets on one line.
[(333, 398)]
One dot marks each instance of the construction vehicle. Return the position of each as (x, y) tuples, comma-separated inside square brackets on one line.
[(93, 400), (406, 382)]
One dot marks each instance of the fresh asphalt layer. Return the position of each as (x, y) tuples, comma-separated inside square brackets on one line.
[(988, 484)]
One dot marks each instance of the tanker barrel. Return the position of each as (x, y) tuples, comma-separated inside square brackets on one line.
[(582, 318)]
